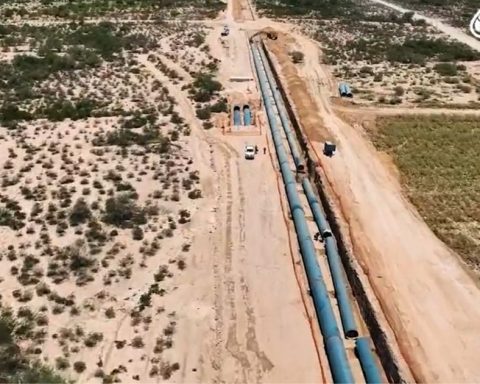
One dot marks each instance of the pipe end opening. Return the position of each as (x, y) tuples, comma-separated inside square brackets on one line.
[(351, 334), (326, 233)]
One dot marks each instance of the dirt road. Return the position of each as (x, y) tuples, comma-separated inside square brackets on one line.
[(393, 111), (241, 309), (429, 300), (453, 32)]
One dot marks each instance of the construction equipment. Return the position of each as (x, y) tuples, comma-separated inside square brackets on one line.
[(329, 148), (226, 30), (272, 35)]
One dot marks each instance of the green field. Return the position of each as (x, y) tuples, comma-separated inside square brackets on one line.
[(439, 163)]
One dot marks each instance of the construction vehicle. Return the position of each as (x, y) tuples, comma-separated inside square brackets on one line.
[(272, 35), (329, 148), (226, 30)]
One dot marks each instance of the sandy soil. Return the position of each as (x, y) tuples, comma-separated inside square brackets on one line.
[(429, 300), (242, 301)]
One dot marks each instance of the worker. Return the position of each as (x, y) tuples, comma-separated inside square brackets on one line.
[(264, 150)]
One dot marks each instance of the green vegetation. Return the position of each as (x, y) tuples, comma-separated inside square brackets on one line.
[(326, 9), (122, 211), (438, 158), (94, 8), (446, 69), (15, 367), (204, 87), (58, 51), (419, 50), (80, 213), (11, 214)]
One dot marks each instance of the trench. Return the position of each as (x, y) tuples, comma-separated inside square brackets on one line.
[(386, 356)]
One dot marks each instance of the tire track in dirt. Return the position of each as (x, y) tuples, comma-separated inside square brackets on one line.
[(217, 360), (262, 363), (232, 345), (106, 359)]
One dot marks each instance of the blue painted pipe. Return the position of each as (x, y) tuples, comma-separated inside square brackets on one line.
[(318, 215), (341, 293), (237, 119), (247, 115), (334, 263), (336, 268), (292, 142), (334, 347), (367, 361)]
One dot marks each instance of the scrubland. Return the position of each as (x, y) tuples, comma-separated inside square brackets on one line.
[(98, 186)]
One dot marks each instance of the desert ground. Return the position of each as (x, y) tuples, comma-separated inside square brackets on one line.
[(137, 243)]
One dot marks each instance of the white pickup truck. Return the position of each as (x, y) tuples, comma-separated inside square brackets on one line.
[(249, 152)]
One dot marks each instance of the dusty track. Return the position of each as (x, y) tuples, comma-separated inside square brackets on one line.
[(430, 302), (244, 314)]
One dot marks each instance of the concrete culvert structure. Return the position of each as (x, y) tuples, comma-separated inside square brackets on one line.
[(237, 118), (247, 115)]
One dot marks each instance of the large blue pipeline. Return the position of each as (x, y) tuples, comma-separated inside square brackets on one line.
[(334, 262), (367, 361), (292, 142), (334, 347)]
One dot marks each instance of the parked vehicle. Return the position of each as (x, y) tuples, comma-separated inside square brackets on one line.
[(225, 31), (249, 152)]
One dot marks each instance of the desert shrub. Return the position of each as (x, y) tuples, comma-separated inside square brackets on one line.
[(464, 88), (64, 109), (195, 194), (137, 342), (10, 112), (92, 339), (80, 212), (79, 366), (15, 367), (207, 125), (204, 113), (297, 56), (137, 233), (399, 91), (204, 87), (11, 215), (367, 70), (62, 363), (110, 313), (220, 106), (122, 211), (446, 69)]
